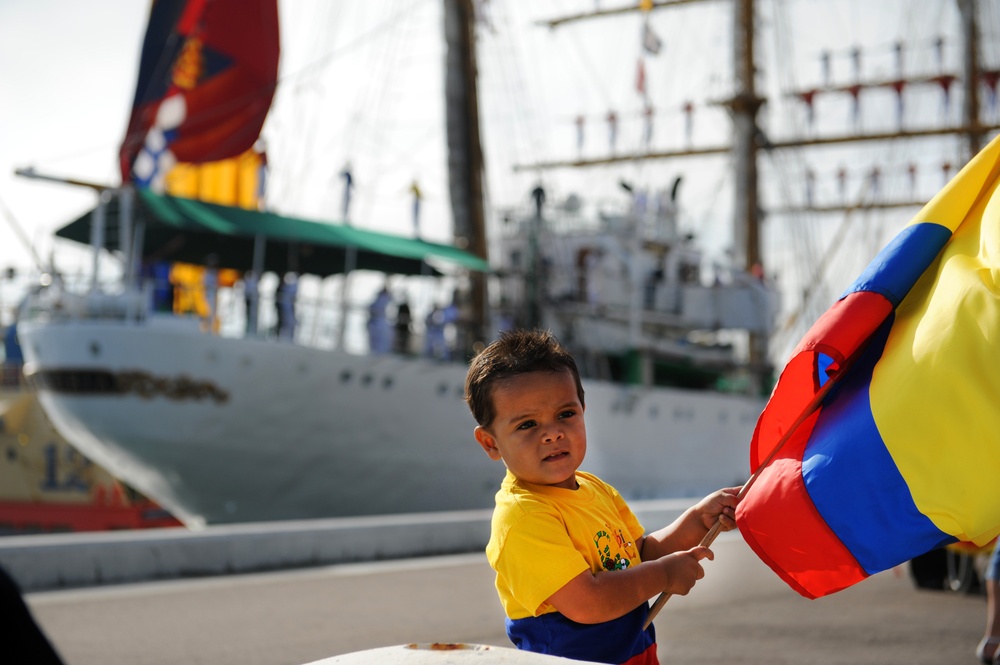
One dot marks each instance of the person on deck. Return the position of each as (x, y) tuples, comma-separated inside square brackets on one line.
[(418, 196), (435, 345), (403, 321), (348, 178), (286, 306), (379, 328), (574, 567), (538, 195), (251, 297), (211, 286)]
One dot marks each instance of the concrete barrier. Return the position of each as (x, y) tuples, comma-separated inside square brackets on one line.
[(54, 561)]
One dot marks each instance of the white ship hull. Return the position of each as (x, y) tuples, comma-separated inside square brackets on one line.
[(220, 430)]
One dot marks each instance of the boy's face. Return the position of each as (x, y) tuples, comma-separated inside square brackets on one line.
[(538, 430)]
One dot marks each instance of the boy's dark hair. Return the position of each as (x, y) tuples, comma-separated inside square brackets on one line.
[(514, 352)]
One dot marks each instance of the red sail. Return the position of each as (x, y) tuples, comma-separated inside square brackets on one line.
[(206, 80)]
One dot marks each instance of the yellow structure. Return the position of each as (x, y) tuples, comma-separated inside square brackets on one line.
[(232, 182)]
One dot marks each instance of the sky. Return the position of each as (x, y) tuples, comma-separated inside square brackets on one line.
[(361, 83), (68, 73)]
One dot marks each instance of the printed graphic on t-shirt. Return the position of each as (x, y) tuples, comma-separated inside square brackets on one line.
[(616, 551)]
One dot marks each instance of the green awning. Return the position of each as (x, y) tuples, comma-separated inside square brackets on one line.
[(178, 229)]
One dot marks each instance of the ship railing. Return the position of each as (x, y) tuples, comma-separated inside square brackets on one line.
[(54, 303), (655, 221), (742, 302), (317, 318), (606, 327)]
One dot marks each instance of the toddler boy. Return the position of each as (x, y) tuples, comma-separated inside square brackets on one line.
[(574, 568)]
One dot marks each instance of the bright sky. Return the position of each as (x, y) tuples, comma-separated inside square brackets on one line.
[(68, 76)]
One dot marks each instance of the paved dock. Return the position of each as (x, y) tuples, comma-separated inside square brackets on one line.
[(740, 613)]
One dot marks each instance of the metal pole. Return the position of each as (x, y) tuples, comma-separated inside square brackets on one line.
[(257, 266), (97, 222), (350, 259), (126, 200), (134, 277)]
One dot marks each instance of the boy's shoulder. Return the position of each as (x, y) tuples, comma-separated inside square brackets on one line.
[(583, 476)]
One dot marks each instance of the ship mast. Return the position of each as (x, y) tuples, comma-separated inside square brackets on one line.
[(746, 219), (970, 75), (465, 155), (744, 106)]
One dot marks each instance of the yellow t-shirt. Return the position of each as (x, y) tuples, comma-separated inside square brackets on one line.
[(542, 537)]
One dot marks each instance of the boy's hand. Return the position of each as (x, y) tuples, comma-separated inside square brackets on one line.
[(684, 568), (719, 506), (693, 525)]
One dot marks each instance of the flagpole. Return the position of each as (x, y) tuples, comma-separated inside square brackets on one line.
[(717, 527)]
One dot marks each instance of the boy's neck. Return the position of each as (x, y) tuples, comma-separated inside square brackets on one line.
[(575, 483)]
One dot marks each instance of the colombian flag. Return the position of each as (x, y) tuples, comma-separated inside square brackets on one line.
[(885, 424)]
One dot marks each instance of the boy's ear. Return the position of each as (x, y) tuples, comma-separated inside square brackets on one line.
[(488, 443)]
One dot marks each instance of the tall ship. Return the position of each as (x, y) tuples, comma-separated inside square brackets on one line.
[(201, 383)]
